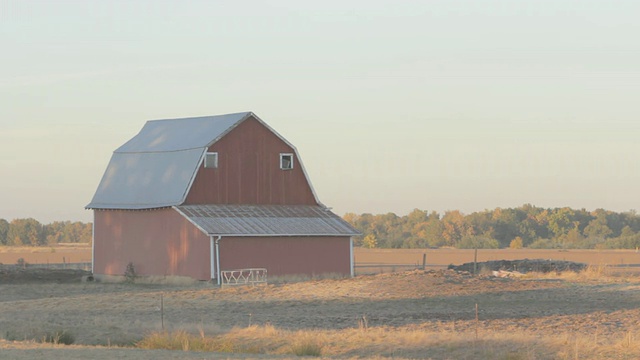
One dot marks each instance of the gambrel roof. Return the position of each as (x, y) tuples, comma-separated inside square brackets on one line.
[(157, 167)]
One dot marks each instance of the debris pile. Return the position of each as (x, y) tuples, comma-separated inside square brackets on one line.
[(11, 274), (522, 266)]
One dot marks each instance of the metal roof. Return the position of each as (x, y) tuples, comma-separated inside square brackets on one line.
[(181, 134), (157, 166), (266, 220), (146, 180)]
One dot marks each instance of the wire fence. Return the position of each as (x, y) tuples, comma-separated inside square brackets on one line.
[(76, 266)]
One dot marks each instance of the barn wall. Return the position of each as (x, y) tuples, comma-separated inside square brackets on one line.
[(249, 171), (287, 255), (158, 243)]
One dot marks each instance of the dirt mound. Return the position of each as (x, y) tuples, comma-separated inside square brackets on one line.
[(523, 266), (19, 275)]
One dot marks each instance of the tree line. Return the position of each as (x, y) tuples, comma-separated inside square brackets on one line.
[(524, 226), (29, 232)]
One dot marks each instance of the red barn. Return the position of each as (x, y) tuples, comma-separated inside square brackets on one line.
[(198, 196)]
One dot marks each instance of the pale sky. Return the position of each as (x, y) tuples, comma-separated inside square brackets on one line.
[(393, 105)]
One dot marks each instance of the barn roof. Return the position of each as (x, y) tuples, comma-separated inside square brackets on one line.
[(266, 220), (156, 167)]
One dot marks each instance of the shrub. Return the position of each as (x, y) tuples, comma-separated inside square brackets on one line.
[(516, 243), (622, 242), (130, 273), (478, 242), (59, 337), (543, 244), (306, 345)]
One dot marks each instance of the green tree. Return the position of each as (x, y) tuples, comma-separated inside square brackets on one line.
[(54, 232), (572, 239), (505, 225), (4, 229), (561, 221), (627, 231), (430, 231), (598, 228)]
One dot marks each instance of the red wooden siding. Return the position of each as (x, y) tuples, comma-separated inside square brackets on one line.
[(249, 171), (157, 242), (287, 255)]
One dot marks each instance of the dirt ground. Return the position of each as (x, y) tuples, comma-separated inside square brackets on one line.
[(109, 315)]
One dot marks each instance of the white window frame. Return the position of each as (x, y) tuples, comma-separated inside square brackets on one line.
[(282, 155), (206, 163)]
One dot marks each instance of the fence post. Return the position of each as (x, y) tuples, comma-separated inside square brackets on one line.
[(477, 321), (475, 262), (424, 261)]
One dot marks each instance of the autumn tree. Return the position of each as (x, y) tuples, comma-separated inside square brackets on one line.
[(454, 227), (370, 241), (529, 225), (516, 243), (25, 232)]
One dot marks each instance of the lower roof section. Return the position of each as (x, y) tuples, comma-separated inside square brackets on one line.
[(266, 220), (146, 180)]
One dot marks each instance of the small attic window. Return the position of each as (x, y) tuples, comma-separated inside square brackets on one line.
[(286, 161), (211, 160)]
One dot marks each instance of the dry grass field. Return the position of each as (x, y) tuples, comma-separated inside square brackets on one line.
[(72, 253), (420, 314), (414, 314), (381, 260), (436, 258)]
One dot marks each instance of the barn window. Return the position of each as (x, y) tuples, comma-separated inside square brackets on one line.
[(286, 161), (211, 160)]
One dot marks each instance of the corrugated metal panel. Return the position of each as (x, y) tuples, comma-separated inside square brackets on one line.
[(267, 220), (146, 180), (181, 134)]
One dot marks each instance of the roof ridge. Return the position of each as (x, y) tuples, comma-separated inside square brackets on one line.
[(200, 117)]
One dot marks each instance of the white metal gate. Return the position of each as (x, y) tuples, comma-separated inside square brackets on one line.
[(238, 277)]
